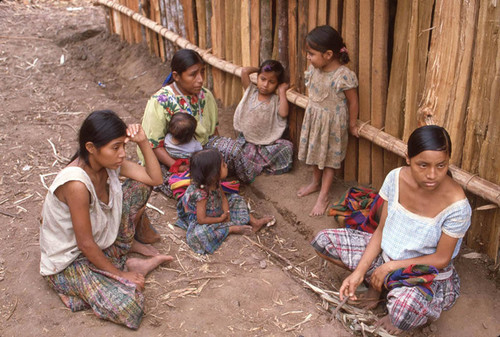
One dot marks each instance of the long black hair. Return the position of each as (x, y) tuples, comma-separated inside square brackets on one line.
[(324, 38), (205, 168), (100, 127), (429, 137), (182, 60), (276, 66)]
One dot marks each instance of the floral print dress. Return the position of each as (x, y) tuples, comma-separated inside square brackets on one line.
[(203, 238), (323, 138)]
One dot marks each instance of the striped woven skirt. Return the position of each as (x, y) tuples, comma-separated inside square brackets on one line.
[(82, 286)]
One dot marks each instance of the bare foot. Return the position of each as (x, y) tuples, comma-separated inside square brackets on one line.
[(370, 299), (243, 230), (143, 249), (320, 206), (385, 322), (259, 223), (308, 189), (144, 266)]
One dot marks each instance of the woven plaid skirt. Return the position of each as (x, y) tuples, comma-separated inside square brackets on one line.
[(82, 286), (407, 306)]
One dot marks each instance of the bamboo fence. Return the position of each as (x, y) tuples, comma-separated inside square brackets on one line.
[(418, 62)]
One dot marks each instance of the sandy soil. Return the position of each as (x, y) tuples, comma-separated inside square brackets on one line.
[(52, 58)]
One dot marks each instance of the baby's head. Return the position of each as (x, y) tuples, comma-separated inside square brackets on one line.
[(325, 39), (271, 74), (182, 127)]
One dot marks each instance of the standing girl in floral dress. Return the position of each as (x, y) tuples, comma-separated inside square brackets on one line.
[(332, 110)]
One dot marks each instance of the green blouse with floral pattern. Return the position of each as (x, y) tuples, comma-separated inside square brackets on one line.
[(165, 103)]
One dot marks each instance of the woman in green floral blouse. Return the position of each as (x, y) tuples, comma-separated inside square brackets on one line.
[(183, 92)]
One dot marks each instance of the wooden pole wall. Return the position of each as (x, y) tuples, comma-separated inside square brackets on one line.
[(444, 70)]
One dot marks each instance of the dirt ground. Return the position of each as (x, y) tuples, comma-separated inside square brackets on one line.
[(53, 54)]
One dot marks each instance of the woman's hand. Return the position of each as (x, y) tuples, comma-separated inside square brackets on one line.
[(350, 285), (378, 276), (136, 134), (135, 277)]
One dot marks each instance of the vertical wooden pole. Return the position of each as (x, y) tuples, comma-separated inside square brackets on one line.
[(322, 12), (266, 30), (394, 118), (482, 141), (208, 37), (333, 14), (235, 92), (201, 19), (188, 11), (218, 40), (379, 83), (312, 15), (293, 56), (350, 31), (159, 46), (365, 80), (254, 32), (245, 33), (282, 18)]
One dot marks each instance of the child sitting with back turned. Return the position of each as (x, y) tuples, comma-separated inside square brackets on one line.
[(331, 111), (180, 143), (260, 119), (206, 213)]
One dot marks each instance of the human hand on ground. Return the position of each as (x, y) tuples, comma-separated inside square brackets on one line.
[(378, 276), (134, 277), (350, 285), (136, 134)]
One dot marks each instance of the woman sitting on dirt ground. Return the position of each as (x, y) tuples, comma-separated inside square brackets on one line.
[(89, 222), (182, 92), (424, 217)]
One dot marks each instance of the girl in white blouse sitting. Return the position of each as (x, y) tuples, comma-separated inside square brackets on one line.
[(424, 217)]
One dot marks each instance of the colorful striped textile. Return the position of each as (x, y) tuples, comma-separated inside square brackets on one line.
[(181, 161), (357, 209), (180, 182), (415, 275)]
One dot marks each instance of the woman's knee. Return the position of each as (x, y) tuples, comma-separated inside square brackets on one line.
[(408, 308)]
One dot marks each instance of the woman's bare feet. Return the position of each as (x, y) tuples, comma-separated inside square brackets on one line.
[(144, 266), (320, 206), (259, 223), (143, 249), (385, 322), (308, 189), (243, 230)]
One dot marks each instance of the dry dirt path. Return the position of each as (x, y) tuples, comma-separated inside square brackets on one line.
[(52, 56)]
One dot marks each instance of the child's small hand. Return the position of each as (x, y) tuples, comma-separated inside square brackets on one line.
[(283, 87), (135, 133), (225, 217), (353, 129), (183, 168)]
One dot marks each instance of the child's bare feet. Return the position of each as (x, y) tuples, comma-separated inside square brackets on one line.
[(385, 322), (308, 189), (144, 266), (320, 206), (243, 230), (143, 249), (259, 223)]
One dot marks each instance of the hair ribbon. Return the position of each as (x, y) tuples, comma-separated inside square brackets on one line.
[(169, 77), (343, 50)]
